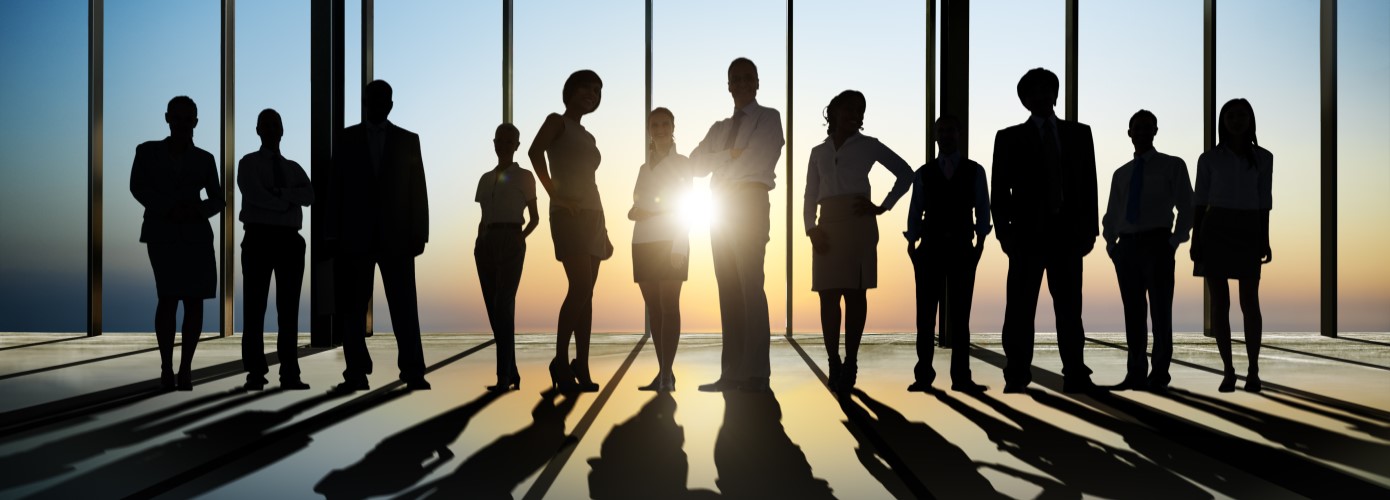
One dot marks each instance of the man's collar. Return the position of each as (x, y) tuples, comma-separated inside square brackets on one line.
[(747, 109)]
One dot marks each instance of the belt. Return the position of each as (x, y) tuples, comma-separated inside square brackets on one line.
[(505, 225)]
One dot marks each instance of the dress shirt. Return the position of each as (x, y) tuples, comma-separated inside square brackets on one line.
[(1037, 121), (1165, 187), (951, 163), (760, 138), (376, 141), (260, 204), (1225, 180), (845, 171), (504, 197), (661, 191)]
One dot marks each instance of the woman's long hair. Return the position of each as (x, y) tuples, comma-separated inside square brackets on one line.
[(1242, 144), (832, 110)]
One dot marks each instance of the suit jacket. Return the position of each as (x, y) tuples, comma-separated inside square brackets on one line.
[(162, 184), (378, 212), (1021, 205)]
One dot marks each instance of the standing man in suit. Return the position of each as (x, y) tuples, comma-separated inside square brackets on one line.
[(379, 217), (273, 188), (1045, 215), (742, 152), (1141, 237)]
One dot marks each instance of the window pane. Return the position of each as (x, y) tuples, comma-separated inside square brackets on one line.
[(1363, 123), (554, 39), (1123, 70), (43, 181), (154, 51), (1008, 38), (443, 60), (888, 64), (272, 71), (1267, 53), (690, 77)]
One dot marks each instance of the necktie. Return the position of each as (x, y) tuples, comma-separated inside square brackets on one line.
[(733, 130), (277, 169), (1053, 159), (1136, 191)]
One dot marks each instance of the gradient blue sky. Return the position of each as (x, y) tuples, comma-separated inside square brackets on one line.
[(444, 59)]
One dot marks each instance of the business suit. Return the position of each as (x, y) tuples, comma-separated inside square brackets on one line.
[(380, 217), (180, 243), (1045, 214)]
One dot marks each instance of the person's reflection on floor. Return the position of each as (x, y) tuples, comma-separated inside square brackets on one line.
[(755, 458), (404, 458), (643, 457), (496, 469)]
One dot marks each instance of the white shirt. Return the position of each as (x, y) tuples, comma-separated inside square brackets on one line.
[(259, 203), (950, 165), (837, 172), (1225, 180), (504, 197), (661, 190), (1165, 188), (760, 138)]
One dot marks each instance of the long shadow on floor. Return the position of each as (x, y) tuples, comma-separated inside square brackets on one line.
[(1086, 465), (404, 458), (1295, 473), (754, 456), (210, 338), (45, 342), (643, 457), (1293, 435), (1323, 356), (62, 455), (130, 476), (496, 469), (1363, 423), (22, 422), (944, 468)]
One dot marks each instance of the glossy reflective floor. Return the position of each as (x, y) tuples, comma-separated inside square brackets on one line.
[(81, 418)]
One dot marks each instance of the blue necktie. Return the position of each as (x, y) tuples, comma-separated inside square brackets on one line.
[(1136, 191)]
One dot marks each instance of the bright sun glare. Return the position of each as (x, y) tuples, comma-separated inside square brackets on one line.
[(698, 209)]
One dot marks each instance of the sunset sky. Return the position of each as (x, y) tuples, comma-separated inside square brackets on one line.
[(444, 60)]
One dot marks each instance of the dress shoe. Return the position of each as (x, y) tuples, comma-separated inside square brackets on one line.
[(255, 384), (1015, 388), (293, 385), (919, 386), (968, 386), (656, 384), (720, 385), (1078, 386), (417, 384), (510, 384), (1131, 384), (351, 386)]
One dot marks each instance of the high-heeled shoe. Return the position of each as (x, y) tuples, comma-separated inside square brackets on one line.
[(166, 380), (581, 377), (561, 377), (1228, 383), (185, 381), (512, 384), (832, 379), (849, 374), (1252, 381), (657, 383), (669, 384)]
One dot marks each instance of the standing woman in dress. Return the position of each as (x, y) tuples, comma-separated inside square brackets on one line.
[(844, 240), (660, 241), (565, 158), (167, 178), (1230, 237)]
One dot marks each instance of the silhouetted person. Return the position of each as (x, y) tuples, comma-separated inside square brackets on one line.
[(380, 217), (566, 158), (661, 241), (273, 188), (1141, 238), (844, 238), (168, 178), (949, 208), (1044, 208), (500, 250), (741, 152), (1230, 238)]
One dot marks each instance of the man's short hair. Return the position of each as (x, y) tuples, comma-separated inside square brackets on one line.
[(743, 60), (181, 100), (1144, 114), (1038, 79)]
